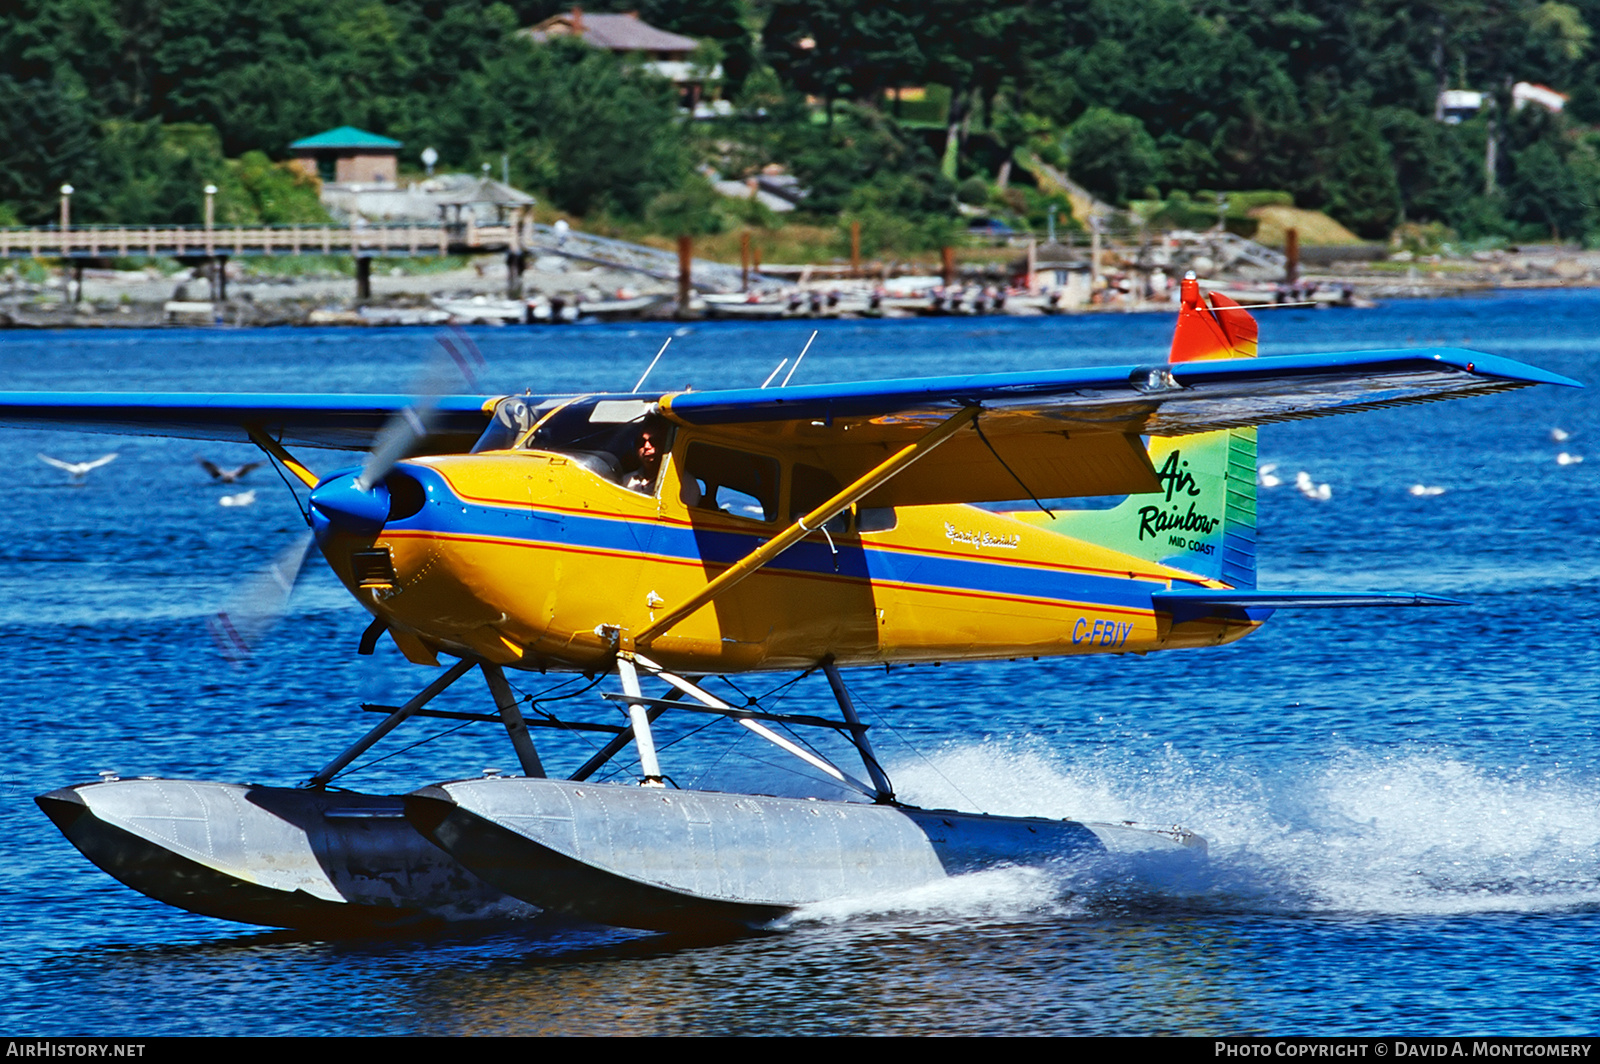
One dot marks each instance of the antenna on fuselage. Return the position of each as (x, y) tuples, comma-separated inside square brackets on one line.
[(775, 371), (796, 365), (652, 366)]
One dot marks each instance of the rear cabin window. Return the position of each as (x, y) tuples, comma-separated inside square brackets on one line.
[(734, 482), (875, 519)]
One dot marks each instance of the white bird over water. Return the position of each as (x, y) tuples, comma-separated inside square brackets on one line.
[(1266, 478), (1568, 459), (78, 470), (1317, 492), (1425, 490), (244, 498), (1560, 435)]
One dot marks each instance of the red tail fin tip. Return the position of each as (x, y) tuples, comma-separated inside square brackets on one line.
[(1221, 330)]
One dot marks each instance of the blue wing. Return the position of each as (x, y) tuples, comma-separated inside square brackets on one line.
[(342, 422), (1166, 399), (1063, 432), (1067, 433)]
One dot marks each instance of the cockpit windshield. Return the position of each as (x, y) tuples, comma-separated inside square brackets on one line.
[(605, 435), (513, 417)]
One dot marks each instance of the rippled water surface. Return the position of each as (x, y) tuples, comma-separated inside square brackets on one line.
[(1401, 804)]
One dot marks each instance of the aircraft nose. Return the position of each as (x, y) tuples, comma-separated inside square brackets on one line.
[(350, 507)]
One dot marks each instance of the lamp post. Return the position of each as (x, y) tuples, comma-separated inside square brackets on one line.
[(429, 157), (1052, 214), (1096, 227), (66, 222), (211, 215)]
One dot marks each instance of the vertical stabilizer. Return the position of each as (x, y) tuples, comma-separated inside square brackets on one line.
[(1204, 518)]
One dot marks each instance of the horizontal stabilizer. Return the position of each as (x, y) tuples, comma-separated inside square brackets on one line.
[(1283, 600)]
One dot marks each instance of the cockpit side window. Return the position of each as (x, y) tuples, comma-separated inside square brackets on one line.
[(648, 442), (735, 482), (810, 487)]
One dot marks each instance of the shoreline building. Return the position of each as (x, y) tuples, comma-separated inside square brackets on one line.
[(348, 156), (667, 54)]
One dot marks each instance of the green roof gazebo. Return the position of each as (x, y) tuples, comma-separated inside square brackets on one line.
[(347, 156)]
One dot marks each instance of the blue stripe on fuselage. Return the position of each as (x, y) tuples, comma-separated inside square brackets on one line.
[(697, 544)]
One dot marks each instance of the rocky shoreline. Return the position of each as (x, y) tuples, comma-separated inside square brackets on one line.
[(150, 298)]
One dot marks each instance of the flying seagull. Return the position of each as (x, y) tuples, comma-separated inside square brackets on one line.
[(78, 470), (226, 476)]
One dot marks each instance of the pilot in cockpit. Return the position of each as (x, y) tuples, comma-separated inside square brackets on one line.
[(647, 452)]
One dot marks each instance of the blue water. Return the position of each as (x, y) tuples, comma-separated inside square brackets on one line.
[(1401, 804)]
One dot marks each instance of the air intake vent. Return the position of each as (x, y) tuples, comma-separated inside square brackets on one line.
[(372, 568)]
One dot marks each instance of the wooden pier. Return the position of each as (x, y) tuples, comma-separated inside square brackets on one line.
[(83, 246), (211, 246), (193, 241)]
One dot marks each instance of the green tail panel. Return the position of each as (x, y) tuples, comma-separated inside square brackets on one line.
[(1239, 521), (1204, 519)]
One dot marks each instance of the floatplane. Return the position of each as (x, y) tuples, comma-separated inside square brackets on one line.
[(659, 539)]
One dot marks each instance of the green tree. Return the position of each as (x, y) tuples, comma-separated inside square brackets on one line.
[(589, 129), (866, 159), (1363, 193), (1551, 195), (49, 134), (1113, 155), (152, 172)]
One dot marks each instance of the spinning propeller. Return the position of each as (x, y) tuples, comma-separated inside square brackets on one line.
[(356, 503)]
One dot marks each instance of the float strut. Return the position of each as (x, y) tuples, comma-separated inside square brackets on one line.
[(858, 735), (506, 702), (390, 723), (756, 726), (649, 766), (620, 740)]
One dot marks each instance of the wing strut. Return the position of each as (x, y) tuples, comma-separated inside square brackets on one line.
[(855, 492), (290, 462)]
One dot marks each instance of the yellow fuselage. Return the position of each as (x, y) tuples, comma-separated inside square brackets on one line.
[(527, 558)]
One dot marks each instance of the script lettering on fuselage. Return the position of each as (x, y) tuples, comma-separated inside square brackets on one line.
[(981, 540), (1101, 633)]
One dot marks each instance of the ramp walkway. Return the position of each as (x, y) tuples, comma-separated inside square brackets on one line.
[(704, 275)]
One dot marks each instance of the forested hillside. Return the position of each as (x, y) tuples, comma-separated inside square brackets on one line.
[(139, 103)]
